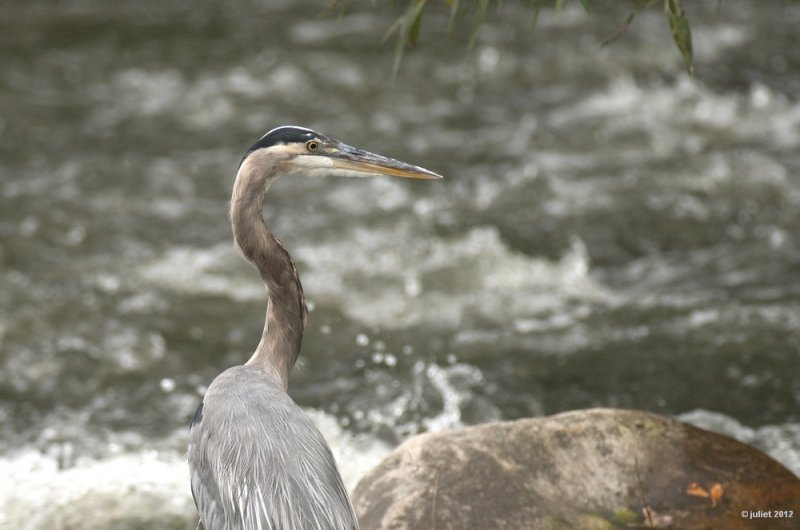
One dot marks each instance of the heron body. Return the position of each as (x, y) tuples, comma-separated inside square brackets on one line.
[(265, 465), (256, 460)]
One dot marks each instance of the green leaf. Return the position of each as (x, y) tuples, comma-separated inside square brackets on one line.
[(454, 5), (407, 27), (681, 32), (413, 31), (477, 20), (640, 4), (536, 6)]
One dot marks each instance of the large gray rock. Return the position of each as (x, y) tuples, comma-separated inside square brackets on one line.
[(588, 469)]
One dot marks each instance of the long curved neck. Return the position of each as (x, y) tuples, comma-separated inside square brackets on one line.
[(286, 310)]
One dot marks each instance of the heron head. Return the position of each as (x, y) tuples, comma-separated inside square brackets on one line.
[(292, 149)]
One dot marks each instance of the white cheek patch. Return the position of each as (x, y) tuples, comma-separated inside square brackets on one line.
[(310, 162), (322, 166)]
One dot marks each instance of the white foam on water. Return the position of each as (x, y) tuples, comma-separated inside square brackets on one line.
[(434, 397), (453, 384), (676, 118), (781, 442), (126, 491), (355, 454), (204, 271), (205, 103), (210, 101), (441, 281), (143, 489)]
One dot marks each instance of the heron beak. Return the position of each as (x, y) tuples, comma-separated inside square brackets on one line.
[(352, 159)]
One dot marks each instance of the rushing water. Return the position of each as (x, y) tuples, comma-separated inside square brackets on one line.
[(611, 232)]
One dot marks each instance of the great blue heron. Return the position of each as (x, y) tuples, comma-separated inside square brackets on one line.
[(257, 462)]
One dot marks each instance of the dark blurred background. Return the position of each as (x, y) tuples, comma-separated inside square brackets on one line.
[(611, 232)]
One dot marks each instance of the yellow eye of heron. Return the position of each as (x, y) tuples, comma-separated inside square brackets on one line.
[(312, 145)]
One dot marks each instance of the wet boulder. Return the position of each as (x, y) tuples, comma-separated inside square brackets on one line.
[(587, 469)]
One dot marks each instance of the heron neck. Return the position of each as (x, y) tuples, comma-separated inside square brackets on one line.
[(282, 336)]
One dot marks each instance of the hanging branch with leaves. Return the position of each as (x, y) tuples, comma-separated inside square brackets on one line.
[(407, 26)]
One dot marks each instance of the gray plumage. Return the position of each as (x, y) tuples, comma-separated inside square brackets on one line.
[(257, 458), (256, 461)]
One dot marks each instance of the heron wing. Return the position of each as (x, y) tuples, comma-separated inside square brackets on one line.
[(258, 463), (205, 490)]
